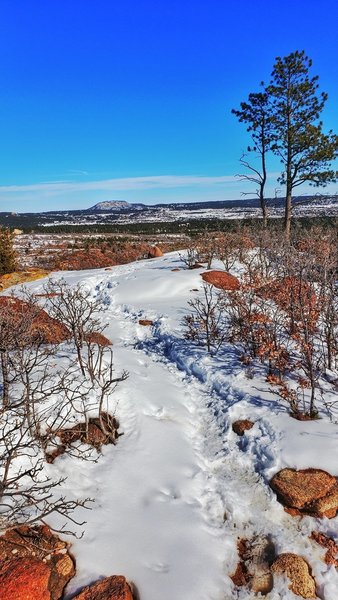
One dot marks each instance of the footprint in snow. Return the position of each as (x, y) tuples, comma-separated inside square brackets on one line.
[(159, 567)]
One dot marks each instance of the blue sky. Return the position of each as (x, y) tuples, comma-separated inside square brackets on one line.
[(131, 100)]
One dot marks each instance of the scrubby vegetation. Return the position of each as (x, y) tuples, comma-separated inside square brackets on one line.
[(42, 397), (282, 316)]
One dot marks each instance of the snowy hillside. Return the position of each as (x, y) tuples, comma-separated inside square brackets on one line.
[(180, 488)]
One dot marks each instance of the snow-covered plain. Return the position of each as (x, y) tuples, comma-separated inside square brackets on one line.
[(179, 488)]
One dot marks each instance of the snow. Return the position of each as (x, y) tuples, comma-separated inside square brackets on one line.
[(179, 488)]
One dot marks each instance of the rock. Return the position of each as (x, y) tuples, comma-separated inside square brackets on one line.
[(95, 337), (92, 434), (155, 252), (311, 491), (26, 579), (145, 322), (175, 270), (326, 506), (221, 280), (331, 555), (62, 571), (253, 568), (35, 323), (242, 425), (111, 588), (298, 571), (37, 543)]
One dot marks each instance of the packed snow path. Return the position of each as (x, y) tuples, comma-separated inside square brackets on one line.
[(179, 488)]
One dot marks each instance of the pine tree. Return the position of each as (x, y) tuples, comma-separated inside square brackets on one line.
[(7, 253), (298, 140), (255, 113)]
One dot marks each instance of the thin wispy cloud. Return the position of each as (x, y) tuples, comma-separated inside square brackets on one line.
[(121, 184)]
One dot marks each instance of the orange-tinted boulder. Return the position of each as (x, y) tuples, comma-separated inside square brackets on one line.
[(35, 543), (311, 491), (221, 280), (297, 570), (155, 252), (25, 579), (111, 588)]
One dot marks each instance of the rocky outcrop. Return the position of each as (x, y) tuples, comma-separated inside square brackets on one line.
[(298, 571), (308, 491), (111, 588), (241, 426), (35, 564), (221, 280), (31, 322)]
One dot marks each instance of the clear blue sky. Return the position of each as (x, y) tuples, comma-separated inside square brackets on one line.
[(131, 100)]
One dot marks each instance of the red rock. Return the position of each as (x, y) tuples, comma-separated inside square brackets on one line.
[(111, 588), (242, 425), (91, 434), (155, 252), (34, 322), (35, 545), (221, 280), (331, 556), (25, 579), (311, 491), (146, 322), (98, 338)]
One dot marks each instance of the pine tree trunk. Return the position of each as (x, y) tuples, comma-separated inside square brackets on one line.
[(287, 217)]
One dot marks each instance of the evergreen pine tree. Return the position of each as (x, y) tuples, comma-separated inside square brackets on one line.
[(7, 253)]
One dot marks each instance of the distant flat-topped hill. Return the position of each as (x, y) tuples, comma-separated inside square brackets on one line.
[(115, 205)]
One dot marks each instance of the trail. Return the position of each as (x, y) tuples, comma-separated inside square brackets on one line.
[(180, 488)]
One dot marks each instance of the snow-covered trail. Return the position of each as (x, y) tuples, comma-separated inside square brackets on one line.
[(179, 488)]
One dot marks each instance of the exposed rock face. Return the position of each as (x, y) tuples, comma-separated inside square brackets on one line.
[(25, 578), (111, 588), (36, 561), (155, 252), (32, 321), (297, 570), (241, 426), (221, 280), (310, 491)]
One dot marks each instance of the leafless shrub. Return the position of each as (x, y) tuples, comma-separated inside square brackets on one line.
[(206, 324)]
